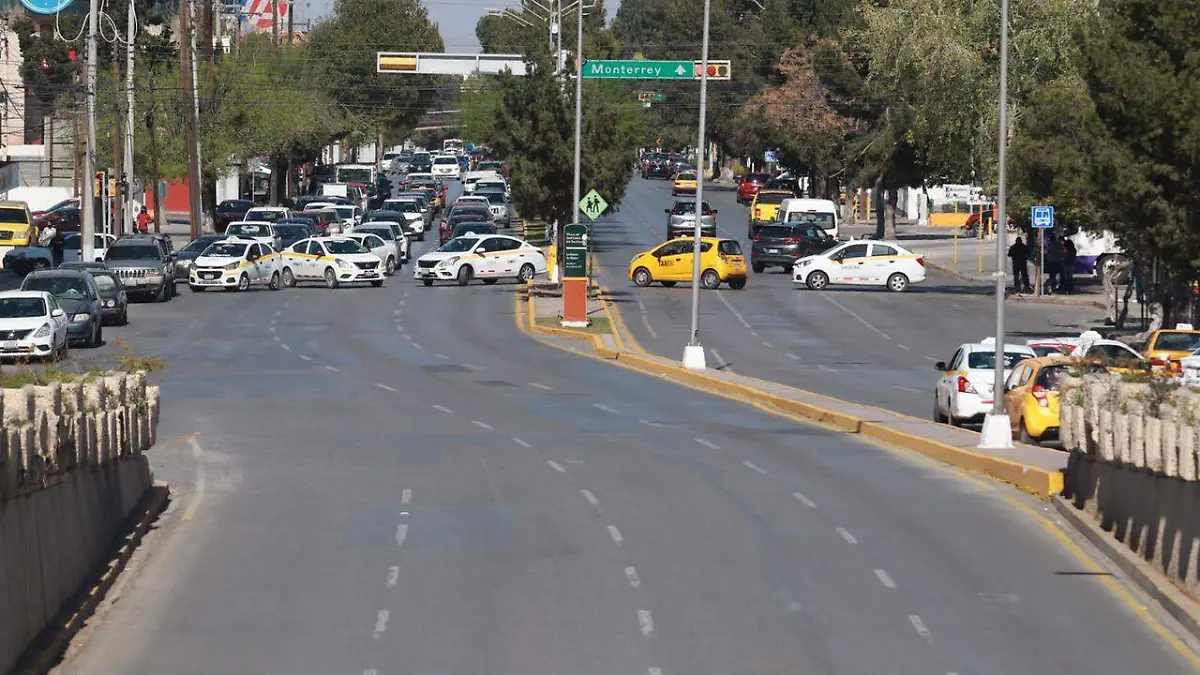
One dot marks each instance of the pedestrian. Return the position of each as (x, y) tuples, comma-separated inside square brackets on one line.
[(56, 249), (48, 232), (1068, 268), (1019, 254), (143, 221), (1054, 261)]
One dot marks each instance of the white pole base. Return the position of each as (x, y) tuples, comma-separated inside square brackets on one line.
[(574, 324), (996, 432), (693, 357)]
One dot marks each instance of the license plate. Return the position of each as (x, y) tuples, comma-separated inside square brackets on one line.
[(772, 250), (9, 345)]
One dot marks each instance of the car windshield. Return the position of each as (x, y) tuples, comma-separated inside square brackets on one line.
[(233, 205), (772, 197), (22, 308), (729, 247), (488, 166), (420, 158), (13, 216), (355, 175), (344, 246), (146, 252), (198, 245), (474, 228), (987, 360), (60, 286), (779, 232), (489, 186), (384, 233), (1051, 377), (445, 160), (404, 207), (249, 229), (459, 245), (686, 175), (756, 177), (494, 197), (1177, 342), (264, 214), (344, 211), (105, 283), (685, 208), (226, 249), (822, 220), (292, 231)]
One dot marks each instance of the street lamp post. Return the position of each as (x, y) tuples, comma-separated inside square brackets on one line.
[(693, 351), (996, 431)]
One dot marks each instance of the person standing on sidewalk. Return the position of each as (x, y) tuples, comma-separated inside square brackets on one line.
[(1019, 254), (1068, 268), (1054, 260)]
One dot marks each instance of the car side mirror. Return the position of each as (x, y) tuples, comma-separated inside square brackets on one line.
[(940, 366), (57, 312), (666, 210), (714, 212)]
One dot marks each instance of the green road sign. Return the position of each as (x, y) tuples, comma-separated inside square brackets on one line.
[(638, 70), (651, 96), (575, 250), (593, 205)]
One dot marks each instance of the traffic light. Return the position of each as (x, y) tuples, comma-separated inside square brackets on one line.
[(717, 70), (98, 185)]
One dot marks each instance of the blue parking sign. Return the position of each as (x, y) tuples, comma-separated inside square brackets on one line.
[(769, 156), (1043, 217)]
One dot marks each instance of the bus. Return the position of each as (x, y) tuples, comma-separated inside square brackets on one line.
[(355, 173), (452, 146)]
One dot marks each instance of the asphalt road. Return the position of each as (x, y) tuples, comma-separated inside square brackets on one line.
[(866, 345), (397, 480)]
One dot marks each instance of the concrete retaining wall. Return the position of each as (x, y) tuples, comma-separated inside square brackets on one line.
[(71, 473), (1133, 467)]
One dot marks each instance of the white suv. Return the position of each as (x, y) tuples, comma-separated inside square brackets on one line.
[(446, 166)]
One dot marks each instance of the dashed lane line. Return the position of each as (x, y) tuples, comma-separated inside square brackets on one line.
[(442, 356), (591, 498), (393, 576), (331, 369), (645, 621), (605, 408), (483, 425), (521, 443), (920, 627), (845, 534), (707, 443), (755, 468), (406, 496), (539, 385), (306, 357), (438, 406), (381, 622), (401, 533), (632, 575), (556, 466), (615, 534), (387, 388), (885, 578), (804, 500)]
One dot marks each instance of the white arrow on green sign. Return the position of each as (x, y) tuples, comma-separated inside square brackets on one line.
[(593, 205)]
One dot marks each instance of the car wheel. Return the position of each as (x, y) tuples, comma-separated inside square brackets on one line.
[(897, 283), (331, 280), (389, 267), (274, 285), (464, 275), (787, 269), (124, 320), (243, 282), (710, 279), (737, 284), (94, 339), (642, 277), (289, 280), (40, 264), (421, 237), (427, 282), (377, 284), (489, 282), (817, 280), (938, 417), (526, 274), (1024, 434), (758, 267)]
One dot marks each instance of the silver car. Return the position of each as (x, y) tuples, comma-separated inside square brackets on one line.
[(681, 219), (497, 204)]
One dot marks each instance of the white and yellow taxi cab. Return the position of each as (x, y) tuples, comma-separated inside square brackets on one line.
[(861, 263), (489, 257), (332, 261), (236, 264), (964, 390)]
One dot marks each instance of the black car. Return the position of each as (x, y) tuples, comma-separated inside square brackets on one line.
[(77, 294), (658, 165), (292, 230), (782, 244), (114, 304), (422, 162)]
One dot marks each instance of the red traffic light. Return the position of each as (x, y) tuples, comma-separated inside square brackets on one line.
[(717, 70)]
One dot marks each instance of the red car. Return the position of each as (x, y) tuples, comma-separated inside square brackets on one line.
[(750, 185)]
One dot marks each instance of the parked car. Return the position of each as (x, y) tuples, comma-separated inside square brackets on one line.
[(77, 295), (32, 325), (750, 185), (73, 249), (145, 266), (230, 211)]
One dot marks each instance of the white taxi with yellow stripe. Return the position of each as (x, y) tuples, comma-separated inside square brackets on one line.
[(236, 264), (861, 263), (332, 261), (488, 257), (963, 393)]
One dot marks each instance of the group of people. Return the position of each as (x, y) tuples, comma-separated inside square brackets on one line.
[(1059, 260)]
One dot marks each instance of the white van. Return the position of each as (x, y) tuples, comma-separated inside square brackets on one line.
[(822, 212)]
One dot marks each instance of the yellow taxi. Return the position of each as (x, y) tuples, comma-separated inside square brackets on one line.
[(764, 208), (684, 184), (16, 226), (721, 260), (1165, 348), (1031, 397)]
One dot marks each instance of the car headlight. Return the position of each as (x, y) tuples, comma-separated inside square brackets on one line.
[(448, 261), (343, 263), (81, 317), (231, 266), (804, 263), (42, 332), (110, 303)]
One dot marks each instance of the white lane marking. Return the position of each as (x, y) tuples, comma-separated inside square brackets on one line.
[(472, 366), (393, 576), (755, 468), (483, 425), (904, 347), (846, 535), (753, 334), (930, 358), (539, 385), (556, 466), (707, 443), (768, 345), (920, 627), (406, 496), (632, 575), (306, 357), (442, 356), (286, 348), (645, 621), (370, 671), (401, 533), (650, 424), (737, 314), (792, 356), (278, 339), (437, 406), (885, 578), (396, 312), (649, 328), (856, 316), (521, 443), (416, 345), (201, 480), (655, 671), (387, 388), (381, 620), (271, 329), (827, 368), (605, 408), (331, 369), (805, 500), (275, 321), (591, 498), (910, 389), (721, 363), (616, 534)]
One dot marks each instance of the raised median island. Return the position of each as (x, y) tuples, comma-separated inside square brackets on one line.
[(72, 471)]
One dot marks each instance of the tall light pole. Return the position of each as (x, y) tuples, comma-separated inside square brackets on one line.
[(88, 199), (693, 352), (578, 112), (130, 30), (996, 431)]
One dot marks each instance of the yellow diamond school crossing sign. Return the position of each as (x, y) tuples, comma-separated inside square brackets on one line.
[(593, 205)]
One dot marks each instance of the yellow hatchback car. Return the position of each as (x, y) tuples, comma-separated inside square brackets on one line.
[(1031, 395), (721, 260), (1166, 348), (684, 184)]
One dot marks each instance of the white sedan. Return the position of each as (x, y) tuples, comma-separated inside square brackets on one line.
[(489, 258), (72, 242), (861, 263), (964, 391), (331, 260), (384, 250), (1190, 375), (32, 325), (236, 264)]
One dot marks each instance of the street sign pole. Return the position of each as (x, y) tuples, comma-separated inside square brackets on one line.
[(693, 352), (575, 288)]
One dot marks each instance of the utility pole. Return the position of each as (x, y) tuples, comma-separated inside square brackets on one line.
[(290, 24), (130, 31), (88, 198), (693, 352), (187, 73), (275, 23), (118, 213)]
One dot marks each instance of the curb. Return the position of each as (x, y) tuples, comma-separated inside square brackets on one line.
[(1182, 608), (1039, 482), (49, 647)]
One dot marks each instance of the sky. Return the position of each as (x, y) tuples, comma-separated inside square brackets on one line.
[(456, 19)]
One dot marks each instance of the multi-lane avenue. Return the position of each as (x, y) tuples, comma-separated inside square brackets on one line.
[(398, 480)]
